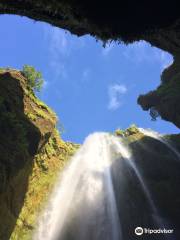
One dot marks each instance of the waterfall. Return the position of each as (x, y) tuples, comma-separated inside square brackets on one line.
[(83, 201), (127, 156), (157, 136)]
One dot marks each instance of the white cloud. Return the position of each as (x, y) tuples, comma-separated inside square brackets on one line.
[(58, 50), (115, 92), (61, 45), (136, 52), (58, 42), (163, 58), (142, 51), (58, 67)]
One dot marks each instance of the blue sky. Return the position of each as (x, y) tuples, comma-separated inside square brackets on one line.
[(90, 88)]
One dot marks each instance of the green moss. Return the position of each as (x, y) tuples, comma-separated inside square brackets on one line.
[(43, 114), (119, 132), (39, 102), (47, 166), (133, 129), (40, 109), (1, 70), (31, 116), (32, 155)]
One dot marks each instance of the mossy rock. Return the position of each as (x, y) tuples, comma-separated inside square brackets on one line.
[(133, 129), (32, 156), (119, 133)]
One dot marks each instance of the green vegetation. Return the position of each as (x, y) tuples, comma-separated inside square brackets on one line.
[(31, 116), (34, 78), (1, 70), (4, 69), (133, 129), (47, 165), (38, 102), (43, 114), (31, 155), (119, 132)]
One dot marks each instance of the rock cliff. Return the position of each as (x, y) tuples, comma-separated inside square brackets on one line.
[(159, 166), (31, 154)]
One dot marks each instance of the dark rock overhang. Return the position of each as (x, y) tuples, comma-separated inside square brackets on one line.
[(118, 20), (157, 22)]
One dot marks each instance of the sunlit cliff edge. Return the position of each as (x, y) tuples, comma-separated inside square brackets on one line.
[(32, 152)]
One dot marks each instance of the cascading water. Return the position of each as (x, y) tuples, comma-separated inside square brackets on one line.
[(159, 137), (83, 202), (126, 155)]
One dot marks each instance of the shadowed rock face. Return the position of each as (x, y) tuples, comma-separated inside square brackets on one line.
[(154, 21), (166, 97), (31, 154), (19, 143), (159, 168)]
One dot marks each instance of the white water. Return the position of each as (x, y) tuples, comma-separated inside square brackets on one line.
[(159, 137), (126, 154), (84, 197), (83, 202)]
